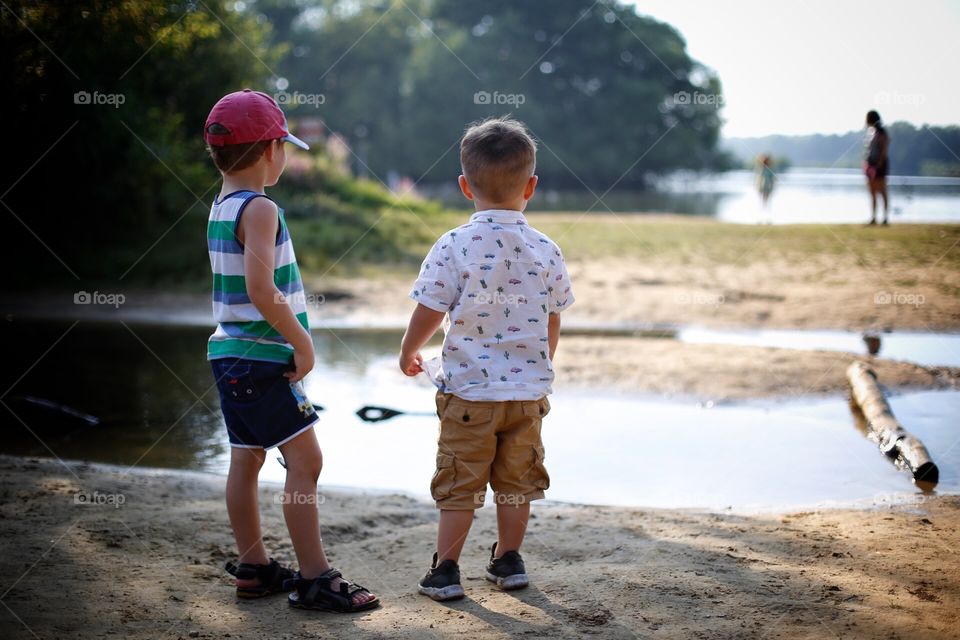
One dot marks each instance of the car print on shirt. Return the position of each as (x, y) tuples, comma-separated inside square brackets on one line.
[(471, 264)]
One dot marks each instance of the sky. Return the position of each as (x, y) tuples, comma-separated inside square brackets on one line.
[(817, 66)]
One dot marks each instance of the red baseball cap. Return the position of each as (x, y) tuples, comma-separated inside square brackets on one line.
[(247, 116)]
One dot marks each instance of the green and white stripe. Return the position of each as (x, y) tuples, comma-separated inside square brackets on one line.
[(242, 332)]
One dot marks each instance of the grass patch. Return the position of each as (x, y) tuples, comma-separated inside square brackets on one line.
[(704, 241)]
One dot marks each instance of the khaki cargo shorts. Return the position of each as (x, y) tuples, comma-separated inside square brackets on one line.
[(489, 442)]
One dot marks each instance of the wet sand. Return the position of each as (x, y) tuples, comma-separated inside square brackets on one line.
[(152, 567)]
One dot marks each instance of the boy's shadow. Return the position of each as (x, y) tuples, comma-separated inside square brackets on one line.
[(574, 621)]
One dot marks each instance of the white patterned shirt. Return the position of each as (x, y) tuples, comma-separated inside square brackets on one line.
[(498, 279)]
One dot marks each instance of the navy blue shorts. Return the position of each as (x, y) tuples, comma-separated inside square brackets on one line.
[(261, 407)]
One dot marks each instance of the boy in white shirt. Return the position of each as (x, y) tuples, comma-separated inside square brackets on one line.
[(501, 285)]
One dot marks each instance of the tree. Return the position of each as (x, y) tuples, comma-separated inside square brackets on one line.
[(609, 94), (110, 176)]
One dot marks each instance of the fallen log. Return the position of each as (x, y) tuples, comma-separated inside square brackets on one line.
[(905, 450)]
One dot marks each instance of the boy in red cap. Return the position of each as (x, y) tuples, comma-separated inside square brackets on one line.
[(260, 352)]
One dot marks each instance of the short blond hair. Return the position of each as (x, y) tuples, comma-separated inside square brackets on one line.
[(497, 156)]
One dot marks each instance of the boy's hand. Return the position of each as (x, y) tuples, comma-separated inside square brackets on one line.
[(423, 323), (411, 365), (303, 361)]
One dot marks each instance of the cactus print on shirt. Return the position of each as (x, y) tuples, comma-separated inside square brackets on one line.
[(498, 279)]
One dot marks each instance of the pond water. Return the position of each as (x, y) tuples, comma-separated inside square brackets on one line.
[(153, 391), (928, 349), (800, 196)]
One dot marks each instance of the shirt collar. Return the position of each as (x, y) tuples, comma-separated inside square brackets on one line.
[(502, 216)]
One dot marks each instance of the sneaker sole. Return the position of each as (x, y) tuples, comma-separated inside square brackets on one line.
[(509, 583), (442, 594)]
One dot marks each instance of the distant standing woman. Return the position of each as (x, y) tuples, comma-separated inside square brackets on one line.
[(877, 165)]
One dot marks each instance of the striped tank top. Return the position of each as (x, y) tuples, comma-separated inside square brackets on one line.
[(242, 331)]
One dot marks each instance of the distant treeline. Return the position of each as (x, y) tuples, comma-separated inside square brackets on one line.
[(925, 151)]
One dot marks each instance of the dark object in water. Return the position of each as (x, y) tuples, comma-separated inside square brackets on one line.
[(53, 413), (378, 414), (894, 441), (872, 342)]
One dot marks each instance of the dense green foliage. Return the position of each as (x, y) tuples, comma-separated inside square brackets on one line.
[(109, 100), (107, 176), (108, 179), (610, 95)]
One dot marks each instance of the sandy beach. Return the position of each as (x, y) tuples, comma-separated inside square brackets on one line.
[(147, 563)]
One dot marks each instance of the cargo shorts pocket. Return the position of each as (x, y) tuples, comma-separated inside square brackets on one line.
[(468, 415), (536, 408), (538, 475), (444, 478)]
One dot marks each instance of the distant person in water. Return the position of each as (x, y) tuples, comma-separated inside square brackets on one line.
[(765, 180), (876, 164)]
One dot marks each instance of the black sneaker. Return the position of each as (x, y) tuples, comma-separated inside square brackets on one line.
[(443, 582), (507, 571)]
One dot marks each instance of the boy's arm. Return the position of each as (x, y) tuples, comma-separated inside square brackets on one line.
[(258, 233), (553, 332), (423, 324)]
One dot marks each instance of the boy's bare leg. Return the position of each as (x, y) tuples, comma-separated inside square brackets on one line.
[(511, 526), (243, 507), (304, 461), (452, 533)]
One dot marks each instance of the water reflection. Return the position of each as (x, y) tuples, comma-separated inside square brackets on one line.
[(144, 382), (149, 385), (927, 349), (802, 196)]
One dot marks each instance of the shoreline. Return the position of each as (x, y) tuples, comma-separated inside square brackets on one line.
[(904, 499), (153, 566), (604, 355)]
